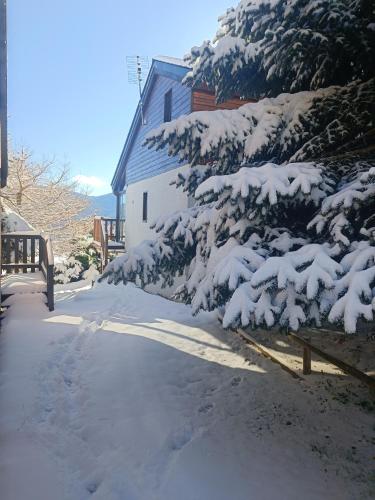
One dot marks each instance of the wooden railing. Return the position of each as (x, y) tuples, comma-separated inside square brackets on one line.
[(101, 238), (24, 252), (47, 267), (114, 228), (20, 252), (107, 230)]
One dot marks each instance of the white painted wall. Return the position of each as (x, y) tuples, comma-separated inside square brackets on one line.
[(162, 199)]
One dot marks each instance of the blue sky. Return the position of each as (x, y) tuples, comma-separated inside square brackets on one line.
[(69, 96)]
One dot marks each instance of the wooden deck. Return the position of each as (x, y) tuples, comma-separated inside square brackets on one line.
[(23, 283), (108, 237), (28, 264)]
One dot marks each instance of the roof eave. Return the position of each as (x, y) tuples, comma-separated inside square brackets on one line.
[(158, 68)]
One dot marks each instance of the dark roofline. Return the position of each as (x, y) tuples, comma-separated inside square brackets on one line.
[(172, 68), (175, 61), (3, 96)]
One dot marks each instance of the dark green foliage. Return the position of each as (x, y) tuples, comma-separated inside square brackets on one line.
[(274, 46)]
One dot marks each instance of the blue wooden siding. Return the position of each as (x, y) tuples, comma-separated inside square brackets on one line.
[(142, 162)]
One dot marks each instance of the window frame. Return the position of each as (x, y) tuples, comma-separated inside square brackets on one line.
[(145, 206), (168, 96)]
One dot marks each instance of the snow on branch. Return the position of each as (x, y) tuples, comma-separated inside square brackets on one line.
[(283, 228), (290, 127), (267, 184), (306, 286), (308, 269), (139, 262), (354, 296), (340, 212), (236, 255), (272, 46)]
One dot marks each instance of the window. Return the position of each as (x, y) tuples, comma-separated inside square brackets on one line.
[(168, 106), (144, 207), (122, 205)]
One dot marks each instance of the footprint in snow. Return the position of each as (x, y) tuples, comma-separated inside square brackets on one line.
[(68, 381), (180, 439), (210, 390), (92, 487), (236, 381), (93, 482), (206, 408), (89, 326)]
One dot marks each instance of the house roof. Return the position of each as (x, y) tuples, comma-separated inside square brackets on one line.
[(172, 60), (169, 67)]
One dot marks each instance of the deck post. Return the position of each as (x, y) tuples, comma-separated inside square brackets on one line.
[(50, 287), (351, 370), (106, 250), (306, 360), (118, 200), (50, 265)]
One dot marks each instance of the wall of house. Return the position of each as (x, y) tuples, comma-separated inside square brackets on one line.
[(142, 162), (162, 199)]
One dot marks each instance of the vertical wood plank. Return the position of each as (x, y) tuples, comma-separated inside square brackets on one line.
[(306, 361), (106, 251), (7, 250), (50, 287), (16, 253), (24, 253), (32, 253), (40, 243), (95, 230)]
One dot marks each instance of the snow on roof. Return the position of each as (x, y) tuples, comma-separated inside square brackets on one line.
[(14, 222), (172, 60)]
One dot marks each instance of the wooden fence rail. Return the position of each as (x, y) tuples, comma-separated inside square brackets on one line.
[(308, 348), (20, 252), (29, 252), (345, 367), (107, 232)]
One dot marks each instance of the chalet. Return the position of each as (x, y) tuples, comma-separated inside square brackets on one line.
[(141, 182)]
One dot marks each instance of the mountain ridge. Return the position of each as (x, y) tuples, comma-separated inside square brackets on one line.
[(104, 205)]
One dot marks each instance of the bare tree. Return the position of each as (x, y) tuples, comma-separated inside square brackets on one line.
[(47, 198)]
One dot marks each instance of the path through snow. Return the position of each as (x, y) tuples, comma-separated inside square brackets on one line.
[(121, 395)]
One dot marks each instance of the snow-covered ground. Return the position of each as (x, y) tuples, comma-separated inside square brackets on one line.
[(122, 395)]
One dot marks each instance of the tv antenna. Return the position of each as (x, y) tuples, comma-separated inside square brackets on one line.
[(137, 69)]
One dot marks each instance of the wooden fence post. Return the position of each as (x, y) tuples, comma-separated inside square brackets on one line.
[(306, 360)]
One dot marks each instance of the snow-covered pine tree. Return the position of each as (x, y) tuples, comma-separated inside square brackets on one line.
[(266, 47), (283, 229)]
